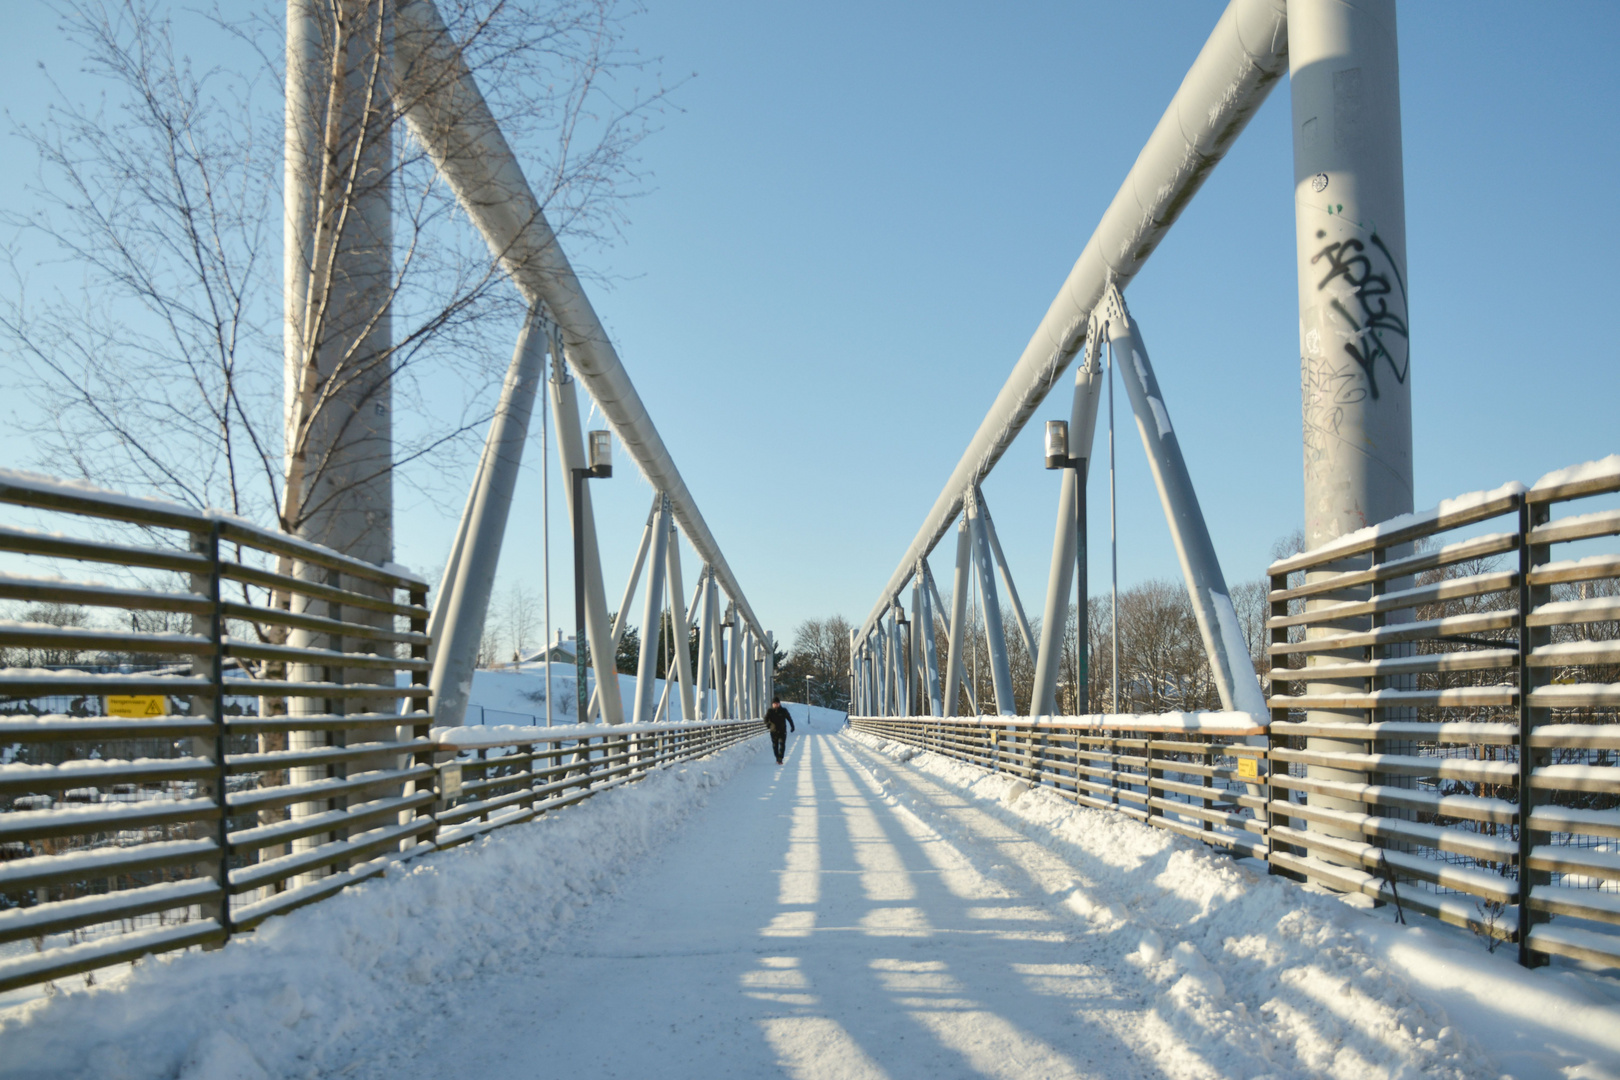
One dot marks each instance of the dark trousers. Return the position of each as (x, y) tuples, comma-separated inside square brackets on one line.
[(779, 743)]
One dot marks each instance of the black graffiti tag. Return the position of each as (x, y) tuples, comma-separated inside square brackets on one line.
[(1349, 260)]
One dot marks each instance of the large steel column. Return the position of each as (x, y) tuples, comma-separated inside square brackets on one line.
[(1000, 671), (959, 629), (1218, 625), (598, 630), (1350, 240), (939, 605), (337, 341), (1060, 579), (652, 619), (466, 598)]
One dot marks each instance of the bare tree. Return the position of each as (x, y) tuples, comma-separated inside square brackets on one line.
[(821, 653), (522, 618), (163, 369)]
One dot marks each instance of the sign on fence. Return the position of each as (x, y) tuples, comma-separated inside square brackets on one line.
[(137, 706)]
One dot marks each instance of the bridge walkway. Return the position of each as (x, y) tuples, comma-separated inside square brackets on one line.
[(809, 923)]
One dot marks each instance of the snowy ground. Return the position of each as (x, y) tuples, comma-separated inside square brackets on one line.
[(859, 912)]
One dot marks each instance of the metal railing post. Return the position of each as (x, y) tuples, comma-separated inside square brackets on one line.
[(1530, 515)]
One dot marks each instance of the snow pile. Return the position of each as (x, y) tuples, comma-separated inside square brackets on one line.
[(1268, 977), (1602, 469), (308, 993)]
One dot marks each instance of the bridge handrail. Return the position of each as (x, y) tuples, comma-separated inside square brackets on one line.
[(274, 743)]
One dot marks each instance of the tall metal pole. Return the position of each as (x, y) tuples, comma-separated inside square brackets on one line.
[(598, 630), (576, 510), (1082, 427), (545, 530), (1113, 538)]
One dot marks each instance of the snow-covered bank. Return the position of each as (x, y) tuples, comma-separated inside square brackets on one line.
[(1249, 966), (312, 992)]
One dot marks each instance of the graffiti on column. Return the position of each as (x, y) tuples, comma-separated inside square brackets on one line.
[(1349, 261), (1365, 308)]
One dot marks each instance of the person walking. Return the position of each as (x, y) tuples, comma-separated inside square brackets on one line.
[(780, 722)]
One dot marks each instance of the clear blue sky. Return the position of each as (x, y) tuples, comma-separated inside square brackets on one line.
[(860, 212)]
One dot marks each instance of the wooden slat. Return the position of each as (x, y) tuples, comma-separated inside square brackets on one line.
[(319, 624), (76, 959), (24, 825), (1388, 538), (1462, 551), (314, 590), (21, 779), (1472, 660), (1453, 589), (1483, 734), (100, 728), (1484, 772), (32, 542), (1577, 527), (87, 594), (1454, 625), (1456, 697)]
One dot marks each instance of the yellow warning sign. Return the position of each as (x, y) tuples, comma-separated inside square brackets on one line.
[(1249, 767), (137, 706)]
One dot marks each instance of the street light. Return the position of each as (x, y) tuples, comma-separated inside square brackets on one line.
[(601, 467), (1057, 457)]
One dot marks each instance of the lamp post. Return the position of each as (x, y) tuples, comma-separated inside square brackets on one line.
[(601, 467), (1057, 457)]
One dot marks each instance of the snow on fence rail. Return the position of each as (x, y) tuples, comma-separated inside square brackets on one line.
[(236, 724), (1426, 653)]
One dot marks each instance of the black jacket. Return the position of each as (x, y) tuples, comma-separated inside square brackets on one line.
[(775, 717)]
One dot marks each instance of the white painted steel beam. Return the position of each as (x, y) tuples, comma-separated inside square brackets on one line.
[(465, 598), (959, 629), (1000, 670), (448, 115), (1224, 643), (680, 624), (1243, 58), (652, 617)]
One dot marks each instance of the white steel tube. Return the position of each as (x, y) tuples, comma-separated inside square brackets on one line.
[(466, 598), (680, 622), (652, 617), (1240, 62), (996, 640), (1005, 571), (930, 649), (1218, 625), (448, 115), (958, 632)]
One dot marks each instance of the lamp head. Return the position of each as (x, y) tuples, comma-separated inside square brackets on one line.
[(601, 454), (1057, 444)]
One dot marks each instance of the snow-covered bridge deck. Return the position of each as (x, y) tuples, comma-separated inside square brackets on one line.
[(847, 915)]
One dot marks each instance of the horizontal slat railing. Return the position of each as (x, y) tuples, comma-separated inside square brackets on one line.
[(227, 724), (1444, 726), (1463, 690)]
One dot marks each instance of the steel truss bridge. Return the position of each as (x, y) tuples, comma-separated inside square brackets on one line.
[(1430, 731)]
